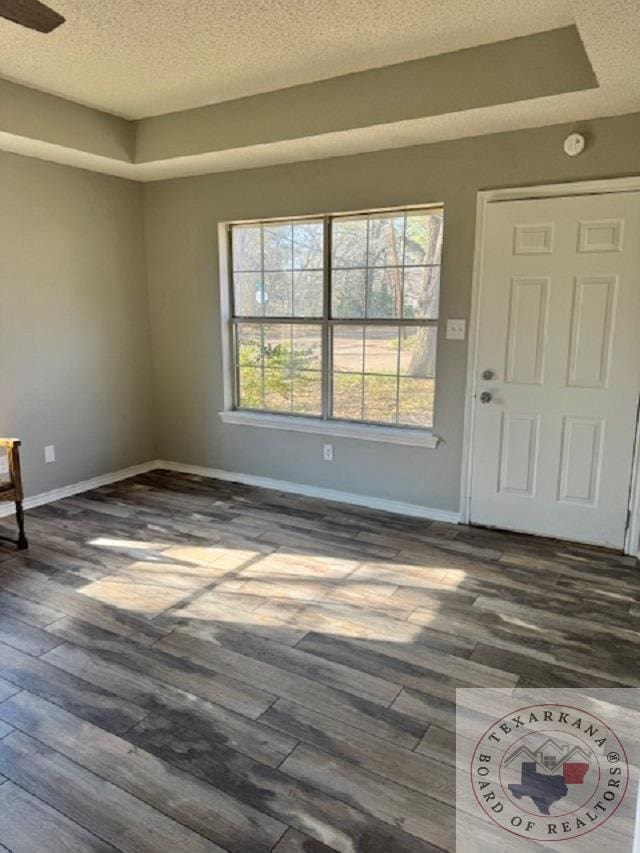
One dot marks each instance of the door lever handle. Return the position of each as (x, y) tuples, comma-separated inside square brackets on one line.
[(486, 397)]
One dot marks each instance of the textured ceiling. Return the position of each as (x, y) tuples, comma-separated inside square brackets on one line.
[(137, 58)]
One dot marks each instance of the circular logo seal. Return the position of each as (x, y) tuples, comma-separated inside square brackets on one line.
[(549, 772)]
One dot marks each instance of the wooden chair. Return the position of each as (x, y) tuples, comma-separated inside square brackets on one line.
[(11, 489)]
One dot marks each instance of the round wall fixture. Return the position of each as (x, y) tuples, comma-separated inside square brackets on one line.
[(574, 144)]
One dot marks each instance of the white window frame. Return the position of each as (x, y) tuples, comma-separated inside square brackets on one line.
[(396, 434)]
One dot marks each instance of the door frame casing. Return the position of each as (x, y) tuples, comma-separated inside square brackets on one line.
[(484, 199)]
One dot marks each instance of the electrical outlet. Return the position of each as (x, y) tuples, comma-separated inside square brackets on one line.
[(50, 453), (327, 452), (456, 330), (4, 463)]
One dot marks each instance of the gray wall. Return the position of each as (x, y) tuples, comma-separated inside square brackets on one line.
[(75, 366), (181, 241)]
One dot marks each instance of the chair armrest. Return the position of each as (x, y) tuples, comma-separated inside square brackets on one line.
[(9, 443)]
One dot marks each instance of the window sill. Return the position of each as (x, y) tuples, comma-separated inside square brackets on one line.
[(364, 432)]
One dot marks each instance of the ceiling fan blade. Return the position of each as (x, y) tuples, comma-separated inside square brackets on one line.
[(32, 14)]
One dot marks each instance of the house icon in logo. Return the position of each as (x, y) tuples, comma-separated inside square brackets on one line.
[(551, 753), (551, 757)]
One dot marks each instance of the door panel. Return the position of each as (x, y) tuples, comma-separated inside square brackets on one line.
[(581, 459), (558, 329), (527, 330), (518, 453), (592, 330)]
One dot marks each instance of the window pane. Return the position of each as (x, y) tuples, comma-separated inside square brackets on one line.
[(277, 390), (249, 343), (421, 292), (416, 402), (418, 351), (423, 241), (347, 349), (347, 396), (279, 366), (380, 399), (308, 296), (278, 288), (248, 294), (306, 346), (246, 247), (250, 388), (277, 345), (308, 245), (307, 392), (381, 350), (349, 242), (386, 240), (278, 246), (348, 293), (385, 293)]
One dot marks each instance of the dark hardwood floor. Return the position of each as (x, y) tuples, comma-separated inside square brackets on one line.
[(193, 665)]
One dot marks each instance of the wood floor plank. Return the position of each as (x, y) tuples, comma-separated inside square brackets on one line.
[(181, 673), (27, 583), (192, 803), (551, 646), (296, 842), (427, 708), (32, 612), (27, 825), (57, 565), (302, 806), (25, 637), (386, 723), (95, 804), (438, 744), (610, 628), (410, 666), (428, 819), (89, 702), (300, 566), (342, 619), (7, 689), (207, 609), (212, 720), (348, 678), (536, 673), (318, 542), (378, 756)]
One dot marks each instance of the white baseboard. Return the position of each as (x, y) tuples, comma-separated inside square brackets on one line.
[(398, 507), (83, 486)]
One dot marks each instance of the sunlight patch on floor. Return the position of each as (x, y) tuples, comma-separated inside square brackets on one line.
[(133, 544)]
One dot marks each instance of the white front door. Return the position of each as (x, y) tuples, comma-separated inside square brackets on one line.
[(559, 345)]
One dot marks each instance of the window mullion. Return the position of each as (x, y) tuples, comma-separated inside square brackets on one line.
[(233, 330), (327, 342)]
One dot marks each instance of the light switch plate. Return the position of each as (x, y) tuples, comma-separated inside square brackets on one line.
[(456, 330), (4, 463), (50, 453)]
